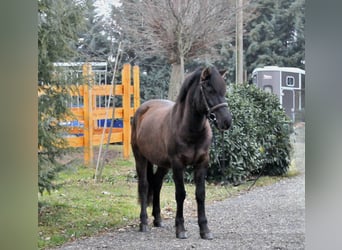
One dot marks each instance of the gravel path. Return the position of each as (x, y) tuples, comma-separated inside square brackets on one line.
[(270, 217)]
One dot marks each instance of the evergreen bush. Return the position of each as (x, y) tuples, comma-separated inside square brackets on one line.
[(258, 141), (52, 109)]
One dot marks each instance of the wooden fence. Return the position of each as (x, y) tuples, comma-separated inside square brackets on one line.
[(90, 114)]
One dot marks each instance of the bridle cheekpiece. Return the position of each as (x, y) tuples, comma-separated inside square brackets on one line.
[(210, 110)]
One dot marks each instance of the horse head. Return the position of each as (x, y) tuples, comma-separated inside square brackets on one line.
[(213, 91)]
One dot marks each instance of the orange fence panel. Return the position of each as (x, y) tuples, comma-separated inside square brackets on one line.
[(89, 114)]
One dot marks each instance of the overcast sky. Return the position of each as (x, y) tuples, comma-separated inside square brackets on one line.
[(104, 6)]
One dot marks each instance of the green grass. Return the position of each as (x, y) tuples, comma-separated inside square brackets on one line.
[(82, 208)]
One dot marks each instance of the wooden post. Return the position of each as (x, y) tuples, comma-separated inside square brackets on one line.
[(88, 117), (126, 104), (239, 42), (136, 87)]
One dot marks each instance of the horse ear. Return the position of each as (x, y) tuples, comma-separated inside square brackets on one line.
[(223, 72), (205, 73)]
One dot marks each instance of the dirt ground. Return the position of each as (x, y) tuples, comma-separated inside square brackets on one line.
[(77, 156), (271, 217)]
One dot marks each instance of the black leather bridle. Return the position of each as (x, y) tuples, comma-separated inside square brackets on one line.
[(210, 110)]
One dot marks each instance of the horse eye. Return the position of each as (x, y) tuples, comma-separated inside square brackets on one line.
[(209, 88)]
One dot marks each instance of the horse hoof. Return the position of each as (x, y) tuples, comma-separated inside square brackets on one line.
[(158, 224), (143, 228), (182, 235), (207, 236)]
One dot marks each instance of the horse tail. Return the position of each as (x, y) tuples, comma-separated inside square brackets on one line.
[(134, 130), (150, 181), (140, 158)]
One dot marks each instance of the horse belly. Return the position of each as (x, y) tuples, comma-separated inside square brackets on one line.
[(152, 148)]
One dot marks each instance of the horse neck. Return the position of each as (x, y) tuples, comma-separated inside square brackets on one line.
[(189, 121)]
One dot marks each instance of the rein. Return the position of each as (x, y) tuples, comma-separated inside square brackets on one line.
[(212, 119), (221, 162)]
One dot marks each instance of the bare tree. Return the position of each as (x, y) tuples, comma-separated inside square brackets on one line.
[(178, 30)]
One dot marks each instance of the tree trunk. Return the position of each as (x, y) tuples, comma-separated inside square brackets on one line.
[(176, 80)]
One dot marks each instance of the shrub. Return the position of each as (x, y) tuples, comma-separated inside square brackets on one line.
[(258, 141)]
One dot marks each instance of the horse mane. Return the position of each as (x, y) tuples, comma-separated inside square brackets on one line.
[(194, 78), (188, 82)]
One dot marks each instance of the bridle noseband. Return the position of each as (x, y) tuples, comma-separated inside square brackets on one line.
[(210, 111)]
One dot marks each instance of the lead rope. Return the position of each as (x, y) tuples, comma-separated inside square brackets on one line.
[(216, 154), (221, 163), (256, 179)]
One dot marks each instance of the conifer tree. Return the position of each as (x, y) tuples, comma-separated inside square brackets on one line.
[(276, 35), (59, 23)]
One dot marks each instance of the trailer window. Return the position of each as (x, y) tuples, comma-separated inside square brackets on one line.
[(268, 89), (290, 81)]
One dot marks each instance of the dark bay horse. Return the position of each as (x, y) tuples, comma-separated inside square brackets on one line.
[(176, 135)]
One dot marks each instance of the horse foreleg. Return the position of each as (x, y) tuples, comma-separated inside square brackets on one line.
[(157, 184), (200, 174), (178, 177)]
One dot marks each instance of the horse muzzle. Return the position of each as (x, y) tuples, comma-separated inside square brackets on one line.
[(222, 120)]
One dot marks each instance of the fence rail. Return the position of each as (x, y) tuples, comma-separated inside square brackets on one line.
[(89, 113)]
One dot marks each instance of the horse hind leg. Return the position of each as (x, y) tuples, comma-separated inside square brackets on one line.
[(157, 184), (150, 181), (141, 166)]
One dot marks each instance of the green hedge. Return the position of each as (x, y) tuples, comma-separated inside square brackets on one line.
[(258, 141)]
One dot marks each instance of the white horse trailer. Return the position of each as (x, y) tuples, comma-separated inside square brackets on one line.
[(287, 83)]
